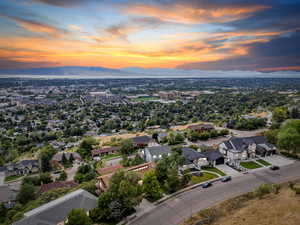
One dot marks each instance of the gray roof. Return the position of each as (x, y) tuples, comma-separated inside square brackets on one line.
[(142, 139), (57, 211), (213, 155), (241, 144), (159, 150), (58, 156), (191, 154)]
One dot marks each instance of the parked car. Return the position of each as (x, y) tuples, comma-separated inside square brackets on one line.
[(274, 168), (225, 179), (206, 184)]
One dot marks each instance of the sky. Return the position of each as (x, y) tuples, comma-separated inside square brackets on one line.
[(248, 35)]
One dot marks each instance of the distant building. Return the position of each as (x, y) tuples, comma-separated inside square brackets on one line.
[(57, 184), (201, 127), (57, 158), (23, 167), (97, 153), (143, 141)]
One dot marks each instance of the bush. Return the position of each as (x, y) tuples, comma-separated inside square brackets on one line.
[(265, 189)]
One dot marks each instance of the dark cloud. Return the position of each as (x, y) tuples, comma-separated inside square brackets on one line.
[(7, 63), (62, 3), (280, 53)]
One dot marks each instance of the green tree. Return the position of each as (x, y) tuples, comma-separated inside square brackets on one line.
[(173, 182), (84, 173), (64, 160), (86, 146), (63, 176), (3, 212), (123, 195), (78, 217), (127, 147), (26, 193), (151, 186), (289, 136), (280, 114), (45, 178), (45, 156), (272, 136)]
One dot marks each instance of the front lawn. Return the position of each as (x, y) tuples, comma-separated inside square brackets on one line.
[(263, 162), (213, 169), (110, 156), (250, 165), (205, 177), (12, 177)]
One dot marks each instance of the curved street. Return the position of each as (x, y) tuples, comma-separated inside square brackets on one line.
[(175, 210)]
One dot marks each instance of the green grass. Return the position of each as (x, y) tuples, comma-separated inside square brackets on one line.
[(264, 162), (213, 169), (13, 177), (110, 156), (205, 177), (144, 99), (250, 165)]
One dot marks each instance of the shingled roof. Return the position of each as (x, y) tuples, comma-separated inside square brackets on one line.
[(57, 211)]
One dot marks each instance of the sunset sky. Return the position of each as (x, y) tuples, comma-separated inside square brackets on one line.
[(258, 35)]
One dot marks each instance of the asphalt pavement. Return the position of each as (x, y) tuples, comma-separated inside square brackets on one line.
[(175, 210)]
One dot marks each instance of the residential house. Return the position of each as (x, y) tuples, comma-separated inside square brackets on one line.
[(57, 158), (97, 153), (201, 127), (143, 141), (214, 157), (57, 184), (8, 196), (27, 166), (154, 153), (239, 149), (193, 159), (56, 211)]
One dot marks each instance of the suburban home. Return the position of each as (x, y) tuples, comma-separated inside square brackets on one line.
[(103, 181), (201, 127), (162, 137), (56, 211), (97, 153), (57, 184), (154, 153), (214, 157), (57, 158), (193, 159), (143, 141), (27, 166), (238, 149), (8, 196)]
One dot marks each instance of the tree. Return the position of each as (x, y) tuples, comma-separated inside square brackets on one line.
[(289, 136), (45, 156), (127, 147), (64, 160), (78, 217), (63, 176), (86, 146), (272, 136), (45, 178), (26, 193), (151, 186), (123, 195), (84, 173), (173, 182), (3, 212), (71, 159), (280, 114)]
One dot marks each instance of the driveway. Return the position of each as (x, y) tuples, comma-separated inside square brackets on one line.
[(278, 160), (228, 170), (2, 178), (175, 210)]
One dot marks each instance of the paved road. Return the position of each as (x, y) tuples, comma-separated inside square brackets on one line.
[(174, 211), (2, 178)]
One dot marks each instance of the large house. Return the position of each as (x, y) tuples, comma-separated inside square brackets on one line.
[(97, 153), (238, 149), (154, 153), (23, 167), (193, 159), (56, 211), (143, 141)]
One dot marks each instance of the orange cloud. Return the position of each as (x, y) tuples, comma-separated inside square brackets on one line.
[(179, 13)]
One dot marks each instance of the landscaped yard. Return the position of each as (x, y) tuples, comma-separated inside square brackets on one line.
[(263, 162), (110, 156), (213, 169), (13, 177), (205, 177), (250, 165)]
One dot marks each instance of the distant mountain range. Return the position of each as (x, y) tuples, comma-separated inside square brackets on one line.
[(135, 72)]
